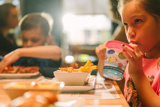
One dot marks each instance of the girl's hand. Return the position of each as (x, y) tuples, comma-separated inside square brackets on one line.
[(134, 56), (9, 59), (101, 52)]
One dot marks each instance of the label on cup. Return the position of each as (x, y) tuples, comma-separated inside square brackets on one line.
[(115, 64)]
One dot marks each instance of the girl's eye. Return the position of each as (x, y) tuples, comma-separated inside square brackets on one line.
[(138, 21)]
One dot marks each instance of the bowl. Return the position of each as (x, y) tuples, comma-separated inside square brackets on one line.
[(17, 89), (72, 78)]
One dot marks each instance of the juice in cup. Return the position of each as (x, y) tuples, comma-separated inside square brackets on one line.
[(115, 62)]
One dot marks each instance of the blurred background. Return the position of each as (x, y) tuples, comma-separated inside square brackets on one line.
[(79, 25)]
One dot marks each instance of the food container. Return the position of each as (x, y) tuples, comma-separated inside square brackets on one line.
[(16, 89), (115, 62), (72, 78)]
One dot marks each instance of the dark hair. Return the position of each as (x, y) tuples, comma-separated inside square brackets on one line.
[(151, 6), (4, 13), (35, 20), (114, 10)]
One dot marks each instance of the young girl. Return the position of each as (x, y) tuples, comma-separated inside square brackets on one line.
[(35, 33), (141, 19)]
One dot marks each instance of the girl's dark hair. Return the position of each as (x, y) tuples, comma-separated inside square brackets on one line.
[(35, 20), (114, 13), (4, 13), (151, 6)]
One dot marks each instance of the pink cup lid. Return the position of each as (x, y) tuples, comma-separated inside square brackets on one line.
[(116, 44)]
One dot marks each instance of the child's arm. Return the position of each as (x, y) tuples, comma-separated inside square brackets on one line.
[(147, 95), (46, 52)]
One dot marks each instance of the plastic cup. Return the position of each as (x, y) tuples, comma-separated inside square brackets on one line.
[(115, 62)]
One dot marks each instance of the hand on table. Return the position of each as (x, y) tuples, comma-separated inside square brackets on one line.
[(9, 59)]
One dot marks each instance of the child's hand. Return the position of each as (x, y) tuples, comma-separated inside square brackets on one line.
[(9, 59), (134, 56), (101, 51)]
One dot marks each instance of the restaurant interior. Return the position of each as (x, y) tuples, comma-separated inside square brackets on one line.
[(79, 26)]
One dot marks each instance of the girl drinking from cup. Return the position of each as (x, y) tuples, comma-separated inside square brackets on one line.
[(141, 19)]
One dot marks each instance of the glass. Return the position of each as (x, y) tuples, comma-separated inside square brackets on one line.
[(115, 62)]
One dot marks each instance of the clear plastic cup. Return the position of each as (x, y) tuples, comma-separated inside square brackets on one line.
[(115, 62)]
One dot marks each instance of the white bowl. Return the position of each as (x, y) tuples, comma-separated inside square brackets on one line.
[(71, 78)]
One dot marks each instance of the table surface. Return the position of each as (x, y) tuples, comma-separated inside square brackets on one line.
[(91, 98)]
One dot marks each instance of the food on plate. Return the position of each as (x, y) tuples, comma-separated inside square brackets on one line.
[(74, 65), (20, 69), (75, 77), (86, 68), (35, 99), (69, 69)]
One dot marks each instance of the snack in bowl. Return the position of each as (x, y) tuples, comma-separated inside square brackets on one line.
[(16, 89), (75, 77)]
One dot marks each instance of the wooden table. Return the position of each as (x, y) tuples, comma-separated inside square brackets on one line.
[(91, 98)]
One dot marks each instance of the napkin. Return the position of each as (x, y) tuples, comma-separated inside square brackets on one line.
[(107, 93)]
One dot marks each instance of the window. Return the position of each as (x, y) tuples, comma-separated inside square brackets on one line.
[(86, 29)]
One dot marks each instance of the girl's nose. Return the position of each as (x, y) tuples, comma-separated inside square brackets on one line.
[(131, 33)]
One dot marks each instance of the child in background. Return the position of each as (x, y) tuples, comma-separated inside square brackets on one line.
[(8, 20), (35, 52), (141, 19)]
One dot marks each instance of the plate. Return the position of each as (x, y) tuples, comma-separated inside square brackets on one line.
[(90, 85), (18, 76)]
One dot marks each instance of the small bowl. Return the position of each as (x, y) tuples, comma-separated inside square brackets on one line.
[(72, 78), (17, 89)]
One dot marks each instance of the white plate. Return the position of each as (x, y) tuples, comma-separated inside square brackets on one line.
[(89, 86), (17, 76)]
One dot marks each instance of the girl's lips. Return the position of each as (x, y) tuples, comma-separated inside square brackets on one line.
[(132, 42)]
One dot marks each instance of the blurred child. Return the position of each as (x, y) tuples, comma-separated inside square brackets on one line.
[(35, 52), (141, 19), (8, 20)]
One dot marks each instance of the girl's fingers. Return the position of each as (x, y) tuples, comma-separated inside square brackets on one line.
[(132, 54), (100, 51), (131, 51), (138, 52), (127, 55)]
